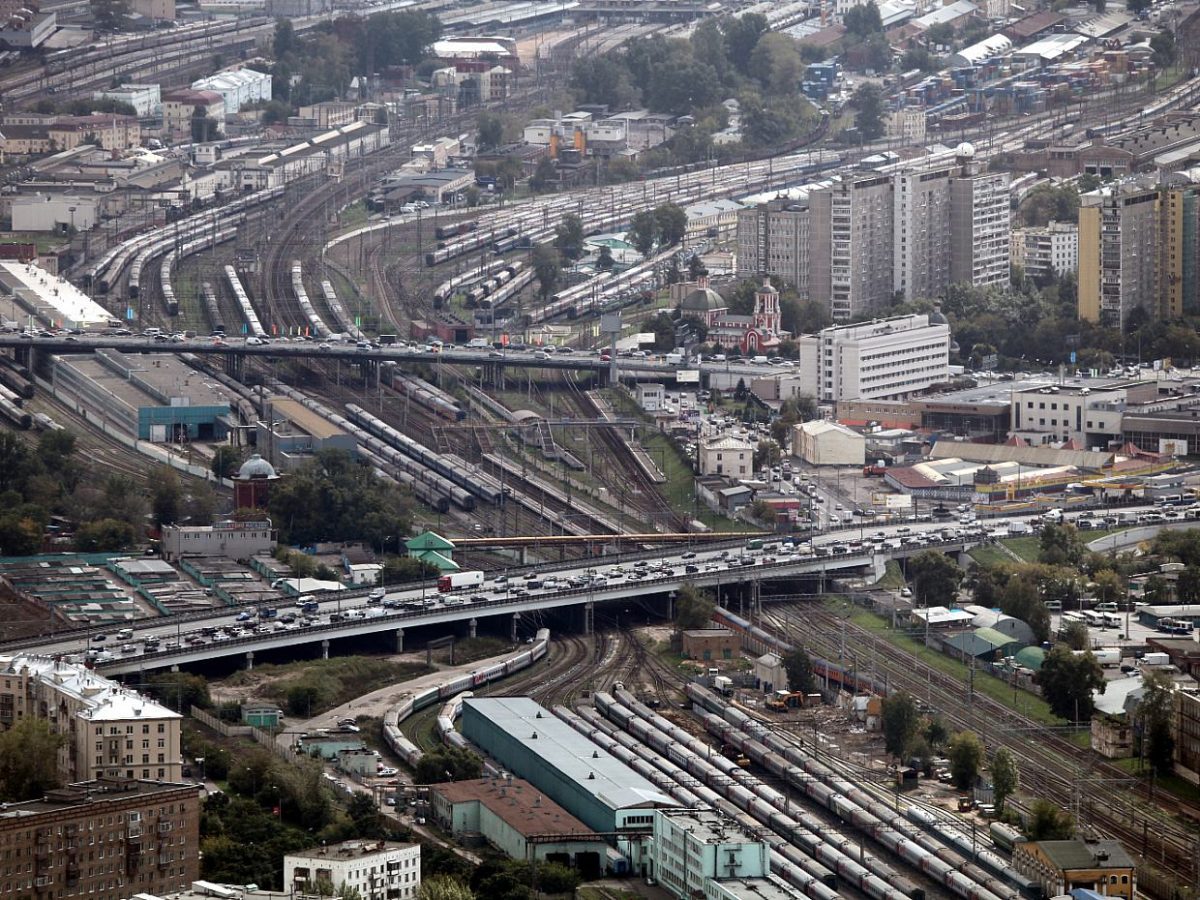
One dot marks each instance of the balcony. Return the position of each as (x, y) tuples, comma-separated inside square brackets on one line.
[(164, 860), (42, 882), (164, 827)]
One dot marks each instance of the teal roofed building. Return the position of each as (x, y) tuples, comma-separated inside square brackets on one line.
[(434, 550), (982, 643)]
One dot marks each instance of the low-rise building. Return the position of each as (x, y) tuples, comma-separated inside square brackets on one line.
[(729, 456), (694, 846), (179, 107), (376, 870), (770, 673), (519, 820), (824, 443), (1046, 252), (650, 397), (1062, 866), (709, 644), (145, 831), (233, 540), (239, 88), (113, 732), (146, 99)]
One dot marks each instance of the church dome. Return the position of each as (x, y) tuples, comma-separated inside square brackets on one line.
[(256, 467), (702, 300)]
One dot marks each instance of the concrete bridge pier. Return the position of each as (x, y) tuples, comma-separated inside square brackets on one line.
[(516, 617), (399, 640), (175, 667), (589, 617), (472, 626), (249, 660), (325, 649)]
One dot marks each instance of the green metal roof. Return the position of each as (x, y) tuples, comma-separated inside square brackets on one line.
[(1030, 657), (429, 541), (439, 560), (997, 638)]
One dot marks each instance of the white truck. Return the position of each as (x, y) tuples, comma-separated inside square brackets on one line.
[(1019, 528), (1107, 657), (673, 359), (458, 580)]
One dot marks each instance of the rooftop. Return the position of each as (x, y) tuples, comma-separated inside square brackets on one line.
[(708, 632), (151, 380), (303, 418), (770, 888), (85, 793), (1069, 855), (102, 700), (50, 296), (517, 803), (707, 826), (349, 849), (561, 747)]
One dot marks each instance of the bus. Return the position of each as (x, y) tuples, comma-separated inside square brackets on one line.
[(754, 544), (1112, 620), (1094, 619), (1069, 617)]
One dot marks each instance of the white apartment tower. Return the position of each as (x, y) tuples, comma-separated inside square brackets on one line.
[(921, 240), (850, 257), (980, 225)]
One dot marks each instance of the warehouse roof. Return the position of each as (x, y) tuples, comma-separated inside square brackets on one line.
[(1053, 46), (951, 12), (517, 803), (561, 747), (304, 419), (1030, 657), (49, 296), (1069, 855)]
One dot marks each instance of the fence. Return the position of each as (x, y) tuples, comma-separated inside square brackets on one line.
[(263, 738)]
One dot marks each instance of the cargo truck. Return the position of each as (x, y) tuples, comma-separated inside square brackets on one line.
[(456, 580)]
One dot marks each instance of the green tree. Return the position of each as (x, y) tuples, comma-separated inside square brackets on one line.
[(178, 690), (1006, 777), (643, 232), (899, 723), (1060, 545), (544, 175), (1067, 681), (1155, 718), (776, 63), (402, 569), (742, 34), (444, 887), (935, 733), (226, 459), (104, 534), (204, 127), (447, 765), (604, 259), (868, 101), (1137, 6), (670, 223), (28, 759), (863, 20), (166, 496), (1075, 635), (799, 671), (1022, 600), (1109, 586), (109, 15), (1166, 52), (935, 577), (1187, 585), (546, 268), (568, 237), (335, 496), (966, 756), (1047, 822), (693, 607)]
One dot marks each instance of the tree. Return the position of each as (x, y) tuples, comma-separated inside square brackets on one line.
[(1166, 52), (443, 887), (104, 534), (670, 223), (868, 100), (568, 237), (935, 733), (693, 608), (899, 723), (490, 132), (225, 461), (1022, 600), (863, 20), (546, 268), (166, 496), (1067, 682), (447, 764), (1006, 777), (742, 35), (1075, 635), (604, 259), (643, 231), (799, 671), (1137, 6), (935, 578), (109, 15), (401, 569), (28, 759), (544, 175), (1155, 719), (204, 127), (1110, 587), (1060, 545), (178, 690), (1047, 822), (776, 63), (965, 753)]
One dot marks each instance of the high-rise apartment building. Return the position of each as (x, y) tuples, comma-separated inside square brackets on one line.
[(850, 250), (112, 731), (1045, 252), (102, 840), (854, 245), (1124, 233)]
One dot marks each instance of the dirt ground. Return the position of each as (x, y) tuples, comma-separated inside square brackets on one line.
[(256, 685)]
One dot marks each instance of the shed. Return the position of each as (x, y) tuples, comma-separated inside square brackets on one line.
[(710, 644), (433, 549), (1030, 658), (982, 643), (770, 674), (824, 443), (261, 716)]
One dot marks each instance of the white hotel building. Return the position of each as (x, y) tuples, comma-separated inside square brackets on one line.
[(377, 870), (886, 359)]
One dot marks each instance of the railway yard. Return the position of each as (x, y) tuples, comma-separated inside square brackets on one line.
[(534, 469)]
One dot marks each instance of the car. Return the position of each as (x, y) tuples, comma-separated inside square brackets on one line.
[(605, 357), (99, 638)]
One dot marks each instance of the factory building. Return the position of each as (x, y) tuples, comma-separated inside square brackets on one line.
[(692, 847), (154, 397), (49, 299), (232, 540), (292, 434), (146, 832), (516, 818), (580, 776)]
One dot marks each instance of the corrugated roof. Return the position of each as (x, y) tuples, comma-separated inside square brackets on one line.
[(520, 805), (1069, 855), (1030, 657), (557, 745), (999, 638), (1034, 456)]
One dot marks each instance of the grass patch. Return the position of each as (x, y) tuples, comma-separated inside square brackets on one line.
[(988, 555), (893, 578), (354, 216), (1001, 691), (44, 240), (1170, 784), (1027, 547), (469, 650), (311, 687)]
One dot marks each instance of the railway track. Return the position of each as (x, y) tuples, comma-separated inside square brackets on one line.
[(1105, 800)]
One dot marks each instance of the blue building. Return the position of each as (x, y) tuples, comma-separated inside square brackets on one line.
[(577, 774)]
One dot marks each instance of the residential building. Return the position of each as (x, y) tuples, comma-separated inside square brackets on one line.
[(238, 88), (146, 99), (773, 240), (891, 358), (1043, 253), (233, 540), (850, 246), (518, 819), (980, 221), (921, 242), (376, 870), (728, 456), (714, 221), (824, 443), (103, 839), (693, 846), (179, 107), (1062, 866), (1187, 731), (1118, 249), (907, 124), (1179, 250), (159, 10), (112, 732)]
